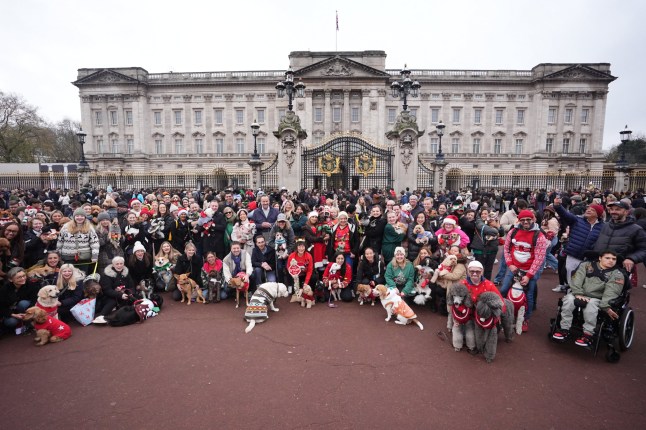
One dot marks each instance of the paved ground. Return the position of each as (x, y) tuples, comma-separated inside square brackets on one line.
[(315, 369)]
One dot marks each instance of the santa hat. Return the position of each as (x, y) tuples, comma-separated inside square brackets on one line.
[(138, 247), (132, 201), (451, 219), (313, 214), (173, 208), (182, 212), (146, 211)]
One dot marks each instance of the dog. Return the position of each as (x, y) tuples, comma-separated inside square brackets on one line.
[(422, 236), (145, 288), (138, 312), (280, 246), (238, 282), (394, 304), (516, 295), (307, 297), (490, 311), (423, 286), (40, 272), (91, 286), (463, 328), (261, 301), (156, 228), (214, 286), (48, 300), (445, 267), (334, 285), (161, 269), (48, 329), (188, 287), (366, 294)]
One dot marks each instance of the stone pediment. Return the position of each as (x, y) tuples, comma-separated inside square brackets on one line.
[(579, 72), (106, 77), (339, 67)]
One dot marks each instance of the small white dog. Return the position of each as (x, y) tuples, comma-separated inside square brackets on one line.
[(516, 295), (261, 301), (394, 304), (423, 287)]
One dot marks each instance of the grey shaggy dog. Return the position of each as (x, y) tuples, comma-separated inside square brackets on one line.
[(462, 332), (489, 304)]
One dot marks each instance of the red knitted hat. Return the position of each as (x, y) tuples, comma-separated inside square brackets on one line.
[(526, 213)]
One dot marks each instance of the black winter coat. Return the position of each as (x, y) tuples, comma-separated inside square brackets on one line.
[(114, 283), (191, 266), (626, 239)]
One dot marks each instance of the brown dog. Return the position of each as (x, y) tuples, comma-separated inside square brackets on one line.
[(186, 286), (48, 300), (240, 285), (366, 294), (48, 329)]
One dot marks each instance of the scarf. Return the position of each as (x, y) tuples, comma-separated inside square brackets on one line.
[(236, 262)]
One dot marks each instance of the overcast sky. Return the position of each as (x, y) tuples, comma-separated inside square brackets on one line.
[(45, 42)]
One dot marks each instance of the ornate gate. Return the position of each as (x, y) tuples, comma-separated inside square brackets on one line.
[(347, 161)]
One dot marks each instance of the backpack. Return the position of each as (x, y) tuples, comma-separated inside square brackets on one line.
[(534, 239)]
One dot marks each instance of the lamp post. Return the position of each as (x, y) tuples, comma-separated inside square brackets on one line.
[(255, 162), (440, 132), (288, 86), (625, 136), (405, 88), (83, 164)]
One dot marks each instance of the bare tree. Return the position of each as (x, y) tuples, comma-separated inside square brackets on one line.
[(65, 146), (22, 130)]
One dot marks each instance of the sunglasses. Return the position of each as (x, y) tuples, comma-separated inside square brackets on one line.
[(228, 213)]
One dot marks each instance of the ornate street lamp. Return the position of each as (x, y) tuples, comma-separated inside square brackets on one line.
[(255, 129), (440, 132), (83, 164), (255, 162), (405, 88), (625, 136), (288, 86)]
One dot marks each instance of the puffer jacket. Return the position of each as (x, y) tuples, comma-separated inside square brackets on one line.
[(582, 235), (626, 239), (595, 287), (112, 279)]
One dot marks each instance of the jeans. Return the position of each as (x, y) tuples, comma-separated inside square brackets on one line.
[(550, 259), (281, 270), (502, 270), (259, 272), (571, 264), (530, 290), (21, 307)]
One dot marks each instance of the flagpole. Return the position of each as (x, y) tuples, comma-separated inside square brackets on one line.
[(336, 35)]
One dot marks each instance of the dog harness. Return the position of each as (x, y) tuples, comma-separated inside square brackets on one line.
[(461, 314)]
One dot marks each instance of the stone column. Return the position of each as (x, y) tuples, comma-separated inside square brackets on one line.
[(290, 137), (346, 120), (327, 113), (404, 139)]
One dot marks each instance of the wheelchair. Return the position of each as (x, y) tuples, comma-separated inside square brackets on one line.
[(618, 335)]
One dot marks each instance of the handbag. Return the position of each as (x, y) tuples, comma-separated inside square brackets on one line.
[(84, 310)]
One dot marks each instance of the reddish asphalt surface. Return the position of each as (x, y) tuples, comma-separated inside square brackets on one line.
[(323, 368)]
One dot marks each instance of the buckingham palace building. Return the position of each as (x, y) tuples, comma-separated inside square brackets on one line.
[(342, 119)]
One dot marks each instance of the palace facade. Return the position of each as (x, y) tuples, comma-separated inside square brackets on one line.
[(348, 130)]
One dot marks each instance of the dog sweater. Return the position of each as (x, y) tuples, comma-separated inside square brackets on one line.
[(52, 311), (55, 327), (518, 302)]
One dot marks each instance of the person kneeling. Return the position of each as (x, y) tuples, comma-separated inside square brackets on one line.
[(596, 283)]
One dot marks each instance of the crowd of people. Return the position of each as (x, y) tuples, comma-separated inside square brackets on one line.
[(331, 241)]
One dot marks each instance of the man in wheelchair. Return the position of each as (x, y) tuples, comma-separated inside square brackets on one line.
[(594, 285)]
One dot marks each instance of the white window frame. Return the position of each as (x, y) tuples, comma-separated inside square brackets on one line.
[(318, 114), (129, 117), (114, 143), (99, 146), (499, 116), (240, 145), (392, 115), (583, 142), (157, 117), (218, 116), (435, 115), (199, 146), (476, 145), (159, 146), (355, 114), (455, 115), (198, 116), (568, 116), (549, 145), (336, 114), (477, 116), (219, 145), (519, 146), (497, 146), (260, 115), (520, 116), (566, 145), (98, 118), (434, 145), (585, 115), (552, 114), (177, 114), (114, 117), (179, 146), (262, 145), (239, 116), (455, 145), (130, 146)]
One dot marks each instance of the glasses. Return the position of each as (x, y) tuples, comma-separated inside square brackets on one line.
[(475, 272), (228, 212), (525, 220)]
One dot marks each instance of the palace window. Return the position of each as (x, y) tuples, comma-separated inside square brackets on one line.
[(98, 118), (128, 117), (566, 145), (585, 114), (99, 146), (115, 146), (476, 146), (239, 116), (130, 146), (199, 146), (336, 114), (261, 145), (551, 116), (582, 144), (499, 115), (179, 146), (455, 145), (456, 115), (520, 116), (392, 115), (219, 146), (240, 145), (157, 117), (113, 117), (435, 115), (318, 114), (218, 115), (281, 114), (519, 146), (568, 116), (477, 116), (434, 145), (355, 114), (178, 117), (497, 146), (260, 114), (198, 117), (159, 147), (549, 144)]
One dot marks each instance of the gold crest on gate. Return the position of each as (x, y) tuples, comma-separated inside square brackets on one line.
[(329, 164), (362, 164)]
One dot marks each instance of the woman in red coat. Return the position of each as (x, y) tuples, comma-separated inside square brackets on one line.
[(338, 274)]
